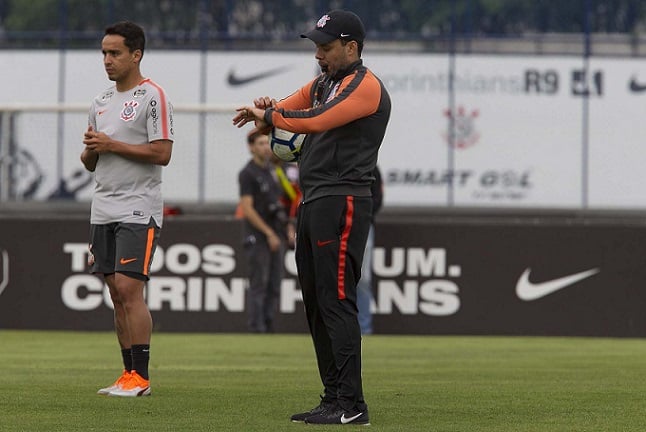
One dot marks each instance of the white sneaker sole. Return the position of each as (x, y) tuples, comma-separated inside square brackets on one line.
[(107, 390), (135, 392)]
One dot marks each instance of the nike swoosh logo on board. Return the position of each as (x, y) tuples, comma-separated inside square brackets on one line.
[(346, 420), (321, 243), (528, 291), (635, 86), (126, 261), (235, 80)]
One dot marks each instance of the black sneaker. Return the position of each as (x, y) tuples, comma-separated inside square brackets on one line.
[(323, 406), (339, 416)]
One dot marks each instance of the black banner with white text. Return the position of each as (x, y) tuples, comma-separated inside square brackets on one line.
[(511, 277)]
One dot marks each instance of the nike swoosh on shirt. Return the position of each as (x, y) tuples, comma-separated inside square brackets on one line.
[(236, 80), (346, 420), (126, 261), (528, 291), (321, 243)]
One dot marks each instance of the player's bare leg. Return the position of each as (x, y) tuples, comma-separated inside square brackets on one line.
[(120, 322), (123, 336), (138, 326), (133, 325), (138, 320)]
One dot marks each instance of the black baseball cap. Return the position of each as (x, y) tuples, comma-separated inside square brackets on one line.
[(337, 24)]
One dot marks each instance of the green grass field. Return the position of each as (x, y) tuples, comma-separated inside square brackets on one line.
[(225, 382)]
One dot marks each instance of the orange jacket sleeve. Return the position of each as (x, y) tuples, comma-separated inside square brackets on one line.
[(358, 96)]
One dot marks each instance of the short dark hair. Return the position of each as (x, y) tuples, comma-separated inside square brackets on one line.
[(359, 44), (133, 35), (253, 136)]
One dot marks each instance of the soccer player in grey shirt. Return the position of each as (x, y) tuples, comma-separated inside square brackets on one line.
[(128, 140)]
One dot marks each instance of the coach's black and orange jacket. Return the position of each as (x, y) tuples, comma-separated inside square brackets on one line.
[(345, 117)]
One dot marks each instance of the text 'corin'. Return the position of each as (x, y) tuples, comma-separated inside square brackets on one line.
[(194, 279)]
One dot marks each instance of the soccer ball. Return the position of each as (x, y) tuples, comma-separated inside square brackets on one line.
[(286, 145)]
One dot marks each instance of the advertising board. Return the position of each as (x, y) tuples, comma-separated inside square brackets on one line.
[(510, 131), (503, 278)]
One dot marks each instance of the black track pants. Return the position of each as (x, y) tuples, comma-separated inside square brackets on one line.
[(331, 237)]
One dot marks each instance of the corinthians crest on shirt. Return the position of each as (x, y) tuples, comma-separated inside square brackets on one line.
[(129, 111), (464, 134)]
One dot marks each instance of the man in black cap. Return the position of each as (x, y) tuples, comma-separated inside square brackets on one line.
[(344, 111)]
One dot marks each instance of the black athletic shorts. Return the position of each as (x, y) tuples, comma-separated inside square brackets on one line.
[(123, 247)]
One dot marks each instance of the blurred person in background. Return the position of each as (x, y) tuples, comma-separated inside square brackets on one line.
[(265, 233), (364, 287), (286, 174), (344, 112), (128, 140)]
